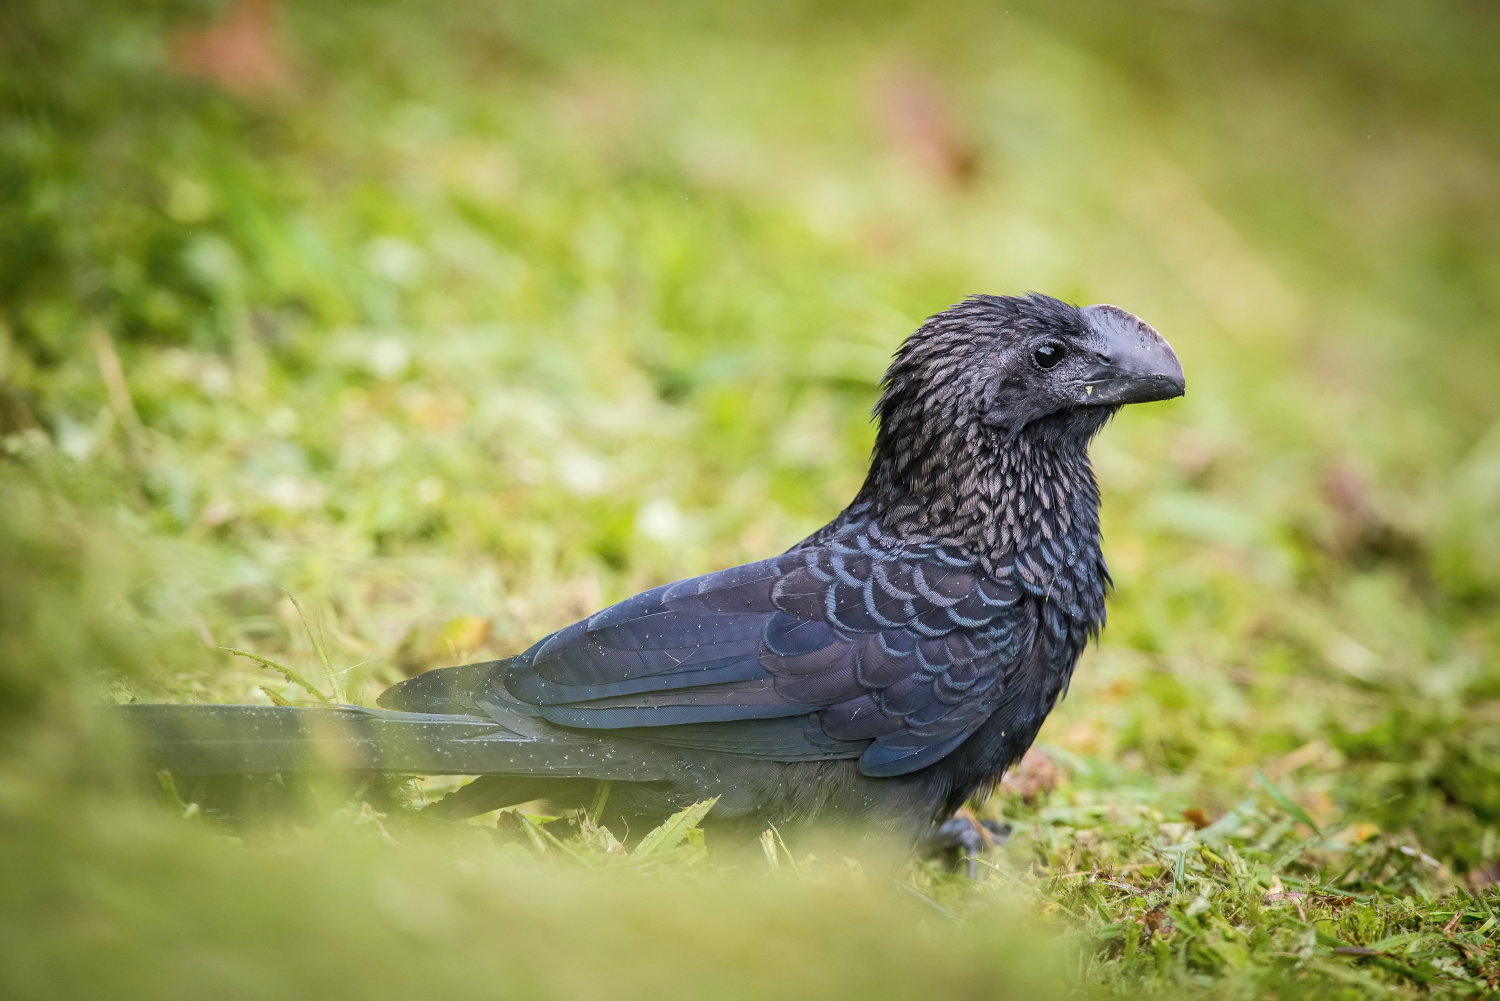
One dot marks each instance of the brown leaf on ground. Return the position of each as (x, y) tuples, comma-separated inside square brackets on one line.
[(1157, 922), (1035, 775), (1482, 877)]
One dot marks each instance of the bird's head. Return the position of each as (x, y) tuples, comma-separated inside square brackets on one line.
[(998, 366)]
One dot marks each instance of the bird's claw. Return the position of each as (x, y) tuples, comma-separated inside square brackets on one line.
[(968, 838)]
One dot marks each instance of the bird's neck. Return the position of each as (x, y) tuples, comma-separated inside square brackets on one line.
[(988, 495)]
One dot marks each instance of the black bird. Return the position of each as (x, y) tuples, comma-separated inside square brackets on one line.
[(885, 669)]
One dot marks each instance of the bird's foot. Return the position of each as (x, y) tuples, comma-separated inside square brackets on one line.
[(967, 838)]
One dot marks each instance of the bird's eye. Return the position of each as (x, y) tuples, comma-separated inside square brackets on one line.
[(1048, 355)]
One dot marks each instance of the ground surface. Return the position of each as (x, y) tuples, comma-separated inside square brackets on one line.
[(372, 340)]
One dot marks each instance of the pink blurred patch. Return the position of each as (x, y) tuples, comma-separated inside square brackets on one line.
[(919, 125), (241, 52)]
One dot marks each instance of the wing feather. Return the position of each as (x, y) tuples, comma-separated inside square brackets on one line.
[(850, 646)]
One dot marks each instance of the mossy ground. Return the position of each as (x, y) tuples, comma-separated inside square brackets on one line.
[(375, 338)]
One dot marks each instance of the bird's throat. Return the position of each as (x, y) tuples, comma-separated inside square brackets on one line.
[(989, 496)]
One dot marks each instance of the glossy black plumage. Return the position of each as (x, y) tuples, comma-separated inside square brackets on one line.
[(886, 652), (892, 664)]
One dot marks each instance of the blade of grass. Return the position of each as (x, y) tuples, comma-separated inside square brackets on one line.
[(284, 671), (673, 831), (276, 700), (1231, 821), (541, 837), (768, 846), (321, 650), (791, 859), (601, 797), (1286, 802), (1384, 962)]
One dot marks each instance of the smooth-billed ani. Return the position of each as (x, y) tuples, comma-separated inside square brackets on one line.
[(886, 668)]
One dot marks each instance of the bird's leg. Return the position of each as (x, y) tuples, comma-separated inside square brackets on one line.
[(493, 792), (967, 837)]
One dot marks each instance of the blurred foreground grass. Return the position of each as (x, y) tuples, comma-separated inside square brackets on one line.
[(454, 325)]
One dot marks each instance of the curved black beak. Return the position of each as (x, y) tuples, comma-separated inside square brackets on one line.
[(1132, 363)]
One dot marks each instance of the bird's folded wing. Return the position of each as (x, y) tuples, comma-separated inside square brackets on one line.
[(851, 646)]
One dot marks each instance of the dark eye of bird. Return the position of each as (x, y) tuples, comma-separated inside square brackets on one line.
[(1048, 355)]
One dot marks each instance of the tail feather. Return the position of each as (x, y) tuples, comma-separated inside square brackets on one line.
[(448, 690), (222, 740)]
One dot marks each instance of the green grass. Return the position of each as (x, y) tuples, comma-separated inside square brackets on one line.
[(457, 324)]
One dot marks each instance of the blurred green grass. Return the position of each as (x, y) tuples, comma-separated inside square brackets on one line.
[(454, 325)]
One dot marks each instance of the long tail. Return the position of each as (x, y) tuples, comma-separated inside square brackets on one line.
[(250, 740)]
